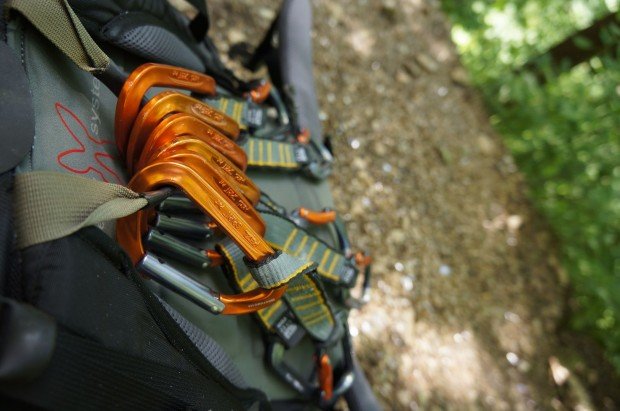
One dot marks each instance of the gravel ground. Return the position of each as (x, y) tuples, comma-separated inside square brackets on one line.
[(468, 295)]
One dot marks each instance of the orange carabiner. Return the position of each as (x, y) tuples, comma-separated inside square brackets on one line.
[(130, 231), (214, 176), (212, 195), (326, 377), (183, 124), (212, 200), (362, 260), (317, 217), (140, 81), (170, 102), (190, 144), (260, 93)]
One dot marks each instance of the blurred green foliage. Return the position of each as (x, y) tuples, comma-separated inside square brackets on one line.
[(564, 133)]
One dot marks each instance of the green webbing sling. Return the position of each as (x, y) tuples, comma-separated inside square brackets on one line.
[(264, 153), (56, 20), (246, 113), (278, 270), (332, 265), (304, 297)]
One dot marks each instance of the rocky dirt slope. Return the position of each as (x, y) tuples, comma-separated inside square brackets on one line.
[(467, 291)]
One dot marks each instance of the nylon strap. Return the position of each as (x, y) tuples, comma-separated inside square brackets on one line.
[(246, 113), (304, 298), (278, 270), (50, 205), (84, 374), (59, 24), (243, 280), (263, 153), (332, 265)]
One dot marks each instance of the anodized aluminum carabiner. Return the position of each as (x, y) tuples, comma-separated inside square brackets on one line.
[(304, 215), (260, 93), (212, 196), (215, 177), (168, 245), (191, 228), (228, 170), (322, 388), (170, 102), (212, 200), (140, 81), (181, 124)]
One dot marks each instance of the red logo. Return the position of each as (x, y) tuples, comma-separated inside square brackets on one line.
[(82, 159)]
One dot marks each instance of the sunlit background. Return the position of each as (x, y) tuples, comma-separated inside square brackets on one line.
[(558, 109), (479, 165)]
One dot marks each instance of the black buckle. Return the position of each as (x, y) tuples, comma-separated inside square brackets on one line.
[(289, 331), (320, 162)]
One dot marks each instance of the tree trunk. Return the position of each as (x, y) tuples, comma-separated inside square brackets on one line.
[(570, 52)]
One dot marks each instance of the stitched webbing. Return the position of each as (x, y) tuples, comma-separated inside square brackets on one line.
[(304, 297), (50, 205), (283, 234), (56, 20), (244, 112), (271, 154), (278, 270)]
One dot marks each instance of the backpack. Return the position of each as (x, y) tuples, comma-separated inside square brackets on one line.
[(81, 327)]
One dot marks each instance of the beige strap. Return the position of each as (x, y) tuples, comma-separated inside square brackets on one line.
[(50, 205), (58, 22)]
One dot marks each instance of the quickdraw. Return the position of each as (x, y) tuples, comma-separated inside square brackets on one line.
[(184, 156), (210, 181)]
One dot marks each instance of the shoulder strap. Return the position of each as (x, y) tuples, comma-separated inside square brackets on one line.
[(290, 64), (56, 20), (80, 372), (17, 122), (59, 24)]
